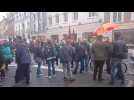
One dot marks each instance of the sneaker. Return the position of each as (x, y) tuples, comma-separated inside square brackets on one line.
[(54, 75), (39, 74), (49, 77), (81, 72), (111, 83), (72, 79), (65, 79), (27, 83), (122, 83), (74, 72), (94, 79)]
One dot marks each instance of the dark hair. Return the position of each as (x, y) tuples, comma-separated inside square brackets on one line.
[(99, 37)]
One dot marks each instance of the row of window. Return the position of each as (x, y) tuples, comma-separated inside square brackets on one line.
[(21, 15), (23, 28), (117, 16), (65, 17), (18, 28)]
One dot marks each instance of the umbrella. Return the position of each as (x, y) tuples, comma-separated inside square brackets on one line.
[(108, 27)]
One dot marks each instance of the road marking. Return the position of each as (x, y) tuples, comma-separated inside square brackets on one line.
[(35, 66), (130, 83)]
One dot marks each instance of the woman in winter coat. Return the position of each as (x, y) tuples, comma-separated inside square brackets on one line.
[(2, 70), (23, 60), (7, 53)]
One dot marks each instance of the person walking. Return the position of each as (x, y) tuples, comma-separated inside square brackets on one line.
[(7, 52), (57, 46), (23, 60), (99, 55), (87, 54), (65, 54), (73, 55), (38, 56), (51, 56), (109, 54), (119, 52), (79, 57), (2, 63)]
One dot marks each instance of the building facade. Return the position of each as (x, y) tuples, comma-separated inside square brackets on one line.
[(22, 23), (3, 28), (84, 22), (10, 25), (28, 24), (56, 24)]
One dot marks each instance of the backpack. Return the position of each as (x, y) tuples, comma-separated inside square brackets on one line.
[(7, 53)]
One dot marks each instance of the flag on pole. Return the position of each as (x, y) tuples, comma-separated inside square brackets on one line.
[(69, 32), (73, 31)]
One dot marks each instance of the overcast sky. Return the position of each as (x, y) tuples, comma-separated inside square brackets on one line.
[(2, 14)]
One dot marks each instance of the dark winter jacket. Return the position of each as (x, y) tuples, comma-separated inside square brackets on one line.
[(99, 50), (38, 52), (23, 55), (79, 51), (120, 50), (66, 54), (50, 52), (87, 51), (57, 48)]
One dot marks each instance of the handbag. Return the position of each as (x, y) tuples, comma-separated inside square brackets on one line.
[(3, 67)]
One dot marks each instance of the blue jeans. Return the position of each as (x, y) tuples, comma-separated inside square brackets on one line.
[(51, 65), (86, 62), (81, 60), (116, 66), (39, 69)]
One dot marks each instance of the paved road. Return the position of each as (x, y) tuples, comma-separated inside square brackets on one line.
[(82, 80)]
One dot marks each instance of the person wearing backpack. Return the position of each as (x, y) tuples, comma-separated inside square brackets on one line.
[(79, 57), (119, 52), (7, 54)]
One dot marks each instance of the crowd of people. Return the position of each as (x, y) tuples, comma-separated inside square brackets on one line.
[(72, 55)]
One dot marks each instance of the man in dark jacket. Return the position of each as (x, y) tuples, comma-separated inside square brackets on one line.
[(87, 54), (57, 47), (99, 53), (119, 52), (23, 61), (66, 53), (79, 57), (38, 56), (51, 56), (109, 54)]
